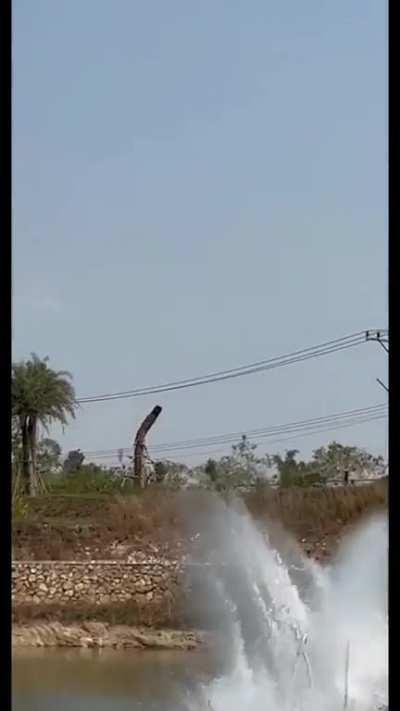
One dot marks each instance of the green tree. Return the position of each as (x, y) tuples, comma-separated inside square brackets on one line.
[(73, 461), (240, 469), (342, 463), (295, 473), (175, 474), (287, 466), (211, 469), (16, 443), (244, 452), (48, 455), (160, 471), (40, 396)]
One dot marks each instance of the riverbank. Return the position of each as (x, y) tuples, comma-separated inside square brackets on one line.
[(161, 523), (101, 635), (63, 588)]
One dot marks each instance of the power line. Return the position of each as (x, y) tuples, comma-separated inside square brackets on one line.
[(302, 435), (316, 351), (294, 431), (363, 411), (382, 384), (381, 335), (333, 421), (333, 346), (299, 434), (279, 429)]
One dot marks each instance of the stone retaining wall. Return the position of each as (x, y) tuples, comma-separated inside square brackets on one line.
[(98, 582)]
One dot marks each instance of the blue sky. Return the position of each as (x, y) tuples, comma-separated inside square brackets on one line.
[(197, 186)]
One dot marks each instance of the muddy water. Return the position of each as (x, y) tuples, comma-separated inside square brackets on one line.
[(86, 680)]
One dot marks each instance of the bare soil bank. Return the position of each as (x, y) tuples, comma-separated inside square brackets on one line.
[(159, 522), (99, 635)]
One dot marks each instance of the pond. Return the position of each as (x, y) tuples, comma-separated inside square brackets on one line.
[(293, 636), (99, 680)]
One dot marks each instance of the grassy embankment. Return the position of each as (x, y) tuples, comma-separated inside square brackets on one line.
[(86, 525)]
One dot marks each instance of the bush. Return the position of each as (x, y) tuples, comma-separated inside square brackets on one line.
[(20, 508), (90, 479)]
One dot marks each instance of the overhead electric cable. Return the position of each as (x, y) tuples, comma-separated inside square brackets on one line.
[(333, 421), (297, 434), (329, 347)]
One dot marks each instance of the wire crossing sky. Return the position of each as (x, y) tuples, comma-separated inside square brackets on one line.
[(333, 421), (333, 346)]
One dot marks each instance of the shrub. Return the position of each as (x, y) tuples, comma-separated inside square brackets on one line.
[(20, 508), (90, 479)]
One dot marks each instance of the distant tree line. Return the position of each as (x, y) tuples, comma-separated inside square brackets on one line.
[(42, 396)]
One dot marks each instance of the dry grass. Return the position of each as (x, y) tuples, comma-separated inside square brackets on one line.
[(155, 616), (59, 528), (153, 513), (317, 510)]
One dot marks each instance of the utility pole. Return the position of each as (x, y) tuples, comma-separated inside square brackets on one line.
[(381, 337)]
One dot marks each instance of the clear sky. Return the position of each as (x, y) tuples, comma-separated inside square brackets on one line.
[(198, 185)]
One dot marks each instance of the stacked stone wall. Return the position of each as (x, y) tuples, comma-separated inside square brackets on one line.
[(98, 582)]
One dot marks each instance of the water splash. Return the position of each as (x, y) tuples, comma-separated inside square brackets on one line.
[(298, 637)]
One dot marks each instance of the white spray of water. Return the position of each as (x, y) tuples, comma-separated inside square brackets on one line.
[(299, 637)]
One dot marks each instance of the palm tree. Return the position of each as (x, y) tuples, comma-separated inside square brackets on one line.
[(39, 395)]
